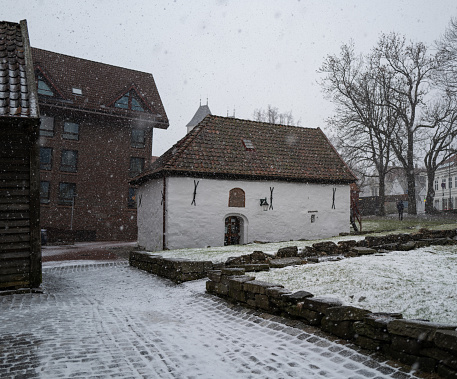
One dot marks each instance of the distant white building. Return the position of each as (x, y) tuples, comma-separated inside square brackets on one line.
[(232, 181), (446, 185)]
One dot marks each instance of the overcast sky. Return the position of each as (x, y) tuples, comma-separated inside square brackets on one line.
[(241, 54)]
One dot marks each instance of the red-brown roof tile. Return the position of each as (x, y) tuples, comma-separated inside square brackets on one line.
[(215, 148), (101, 85), (17, 88)]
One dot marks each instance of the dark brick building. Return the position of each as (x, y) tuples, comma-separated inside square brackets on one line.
[(96, 132)]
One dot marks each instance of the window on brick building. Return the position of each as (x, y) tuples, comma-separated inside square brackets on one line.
[(137, 138), (45, 158), (236, 198), (70, 130), (130, 101), (132, 198), (136, 166), (47, 126), (69, 161), (43, 87), (67, 192), (44, 192)]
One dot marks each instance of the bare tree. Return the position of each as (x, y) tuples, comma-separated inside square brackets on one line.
[(272, 116), (363, 119), (440, 129), (447, 52)]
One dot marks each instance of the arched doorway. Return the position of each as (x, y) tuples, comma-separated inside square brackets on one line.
[(233, 227)]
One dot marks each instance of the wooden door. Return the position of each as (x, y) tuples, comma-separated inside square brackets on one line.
[(232, 231)]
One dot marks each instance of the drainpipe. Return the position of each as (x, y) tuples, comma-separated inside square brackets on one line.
[(164, 210)]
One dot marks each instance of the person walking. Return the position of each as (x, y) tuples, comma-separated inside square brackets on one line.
[(400, 208)]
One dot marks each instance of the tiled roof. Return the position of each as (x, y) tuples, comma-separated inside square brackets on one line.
[(17, 87), (100, 84), (202, 112), (222, 147)]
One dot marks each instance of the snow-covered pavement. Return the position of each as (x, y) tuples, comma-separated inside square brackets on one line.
[(111, 320)]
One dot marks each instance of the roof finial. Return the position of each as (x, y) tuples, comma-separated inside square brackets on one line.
[(200, 101), (206, 100), (227, 112), (233, 112)]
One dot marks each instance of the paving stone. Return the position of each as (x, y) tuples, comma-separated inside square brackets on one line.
[(112, 320)]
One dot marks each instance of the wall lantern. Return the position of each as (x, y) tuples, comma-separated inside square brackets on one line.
[(264, 204)]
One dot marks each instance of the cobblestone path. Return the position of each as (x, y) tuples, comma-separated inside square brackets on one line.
[(111, 320)]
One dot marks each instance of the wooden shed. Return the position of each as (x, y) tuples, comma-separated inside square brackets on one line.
[(20, 245)]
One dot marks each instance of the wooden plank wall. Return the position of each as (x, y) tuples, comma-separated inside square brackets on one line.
[(16, 244)]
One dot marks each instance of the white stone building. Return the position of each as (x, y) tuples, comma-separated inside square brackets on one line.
[(232, 181), (446, 185)]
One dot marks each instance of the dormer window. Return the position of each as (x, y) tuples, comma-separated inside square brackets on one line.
[(130, 101), (77, 91), (43, 87), (248, 145)]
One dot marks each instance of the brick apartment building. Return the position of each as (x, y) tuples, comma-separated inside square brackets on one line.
[(96, 133)]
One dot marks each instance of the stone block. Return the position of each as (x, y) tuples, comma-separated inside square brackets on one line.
[(236, 282), (342, 329), (254, 267), (277, 292), (310, 317), (258, 286), (230, 271), (297, 297), (320, 305), (371, 332), (261, 301), (345, 246), (406, 345), (328, 247), (420, 363), (214, 275), (220, 288), (368, 343), (237, 295), (441, 355), (211, 286), (346, 313), (420, 330), (446, 339), (410, 245), (363, 250), (284, 262), (285, 252)]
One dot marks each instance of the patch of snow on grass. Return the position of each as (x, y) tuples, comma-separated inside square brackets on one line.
[(421, 284)]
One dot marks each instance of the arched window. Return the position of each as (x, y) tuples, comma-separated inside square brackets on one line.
[(236, 198)]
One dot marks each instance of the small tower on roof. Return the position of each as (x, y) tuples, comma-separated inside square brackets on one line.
[(201, 113)]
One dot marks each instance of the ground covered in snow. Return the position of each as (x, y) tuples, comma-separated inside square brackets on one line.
[(421, 284)]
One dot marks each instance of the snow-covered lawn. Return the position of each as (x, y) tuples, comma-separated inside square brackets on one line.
[(421, 284)]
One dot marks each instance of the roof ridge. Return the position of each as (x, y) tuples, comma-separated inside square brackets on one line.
[(90, 60)]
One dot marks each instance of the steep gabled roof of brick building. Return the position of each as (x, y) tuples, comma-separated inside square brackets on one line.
[(18, 96), (225, 147), (100, 86)]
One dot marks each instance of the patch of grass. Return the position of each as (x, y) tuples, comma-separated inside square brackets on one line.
[(408, 224)]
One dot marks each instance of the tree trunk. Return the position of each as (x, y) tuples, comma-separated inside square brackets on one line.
[(429, 206), (382, 194), (410, 174)]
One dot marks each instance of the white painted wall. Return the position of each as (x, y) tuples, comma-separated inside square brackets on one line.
[(203, 224), (150, 214)]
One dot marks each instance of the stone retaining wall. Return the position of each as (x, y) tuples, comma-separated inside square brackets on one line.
[(424, 345), (175, 269)]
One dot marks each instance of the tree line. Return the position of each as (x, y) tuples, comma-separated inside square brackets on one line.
[(396, 105)]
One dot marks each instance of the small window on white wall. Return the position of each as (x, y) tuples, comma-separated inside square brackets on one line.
[(236, 198)]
